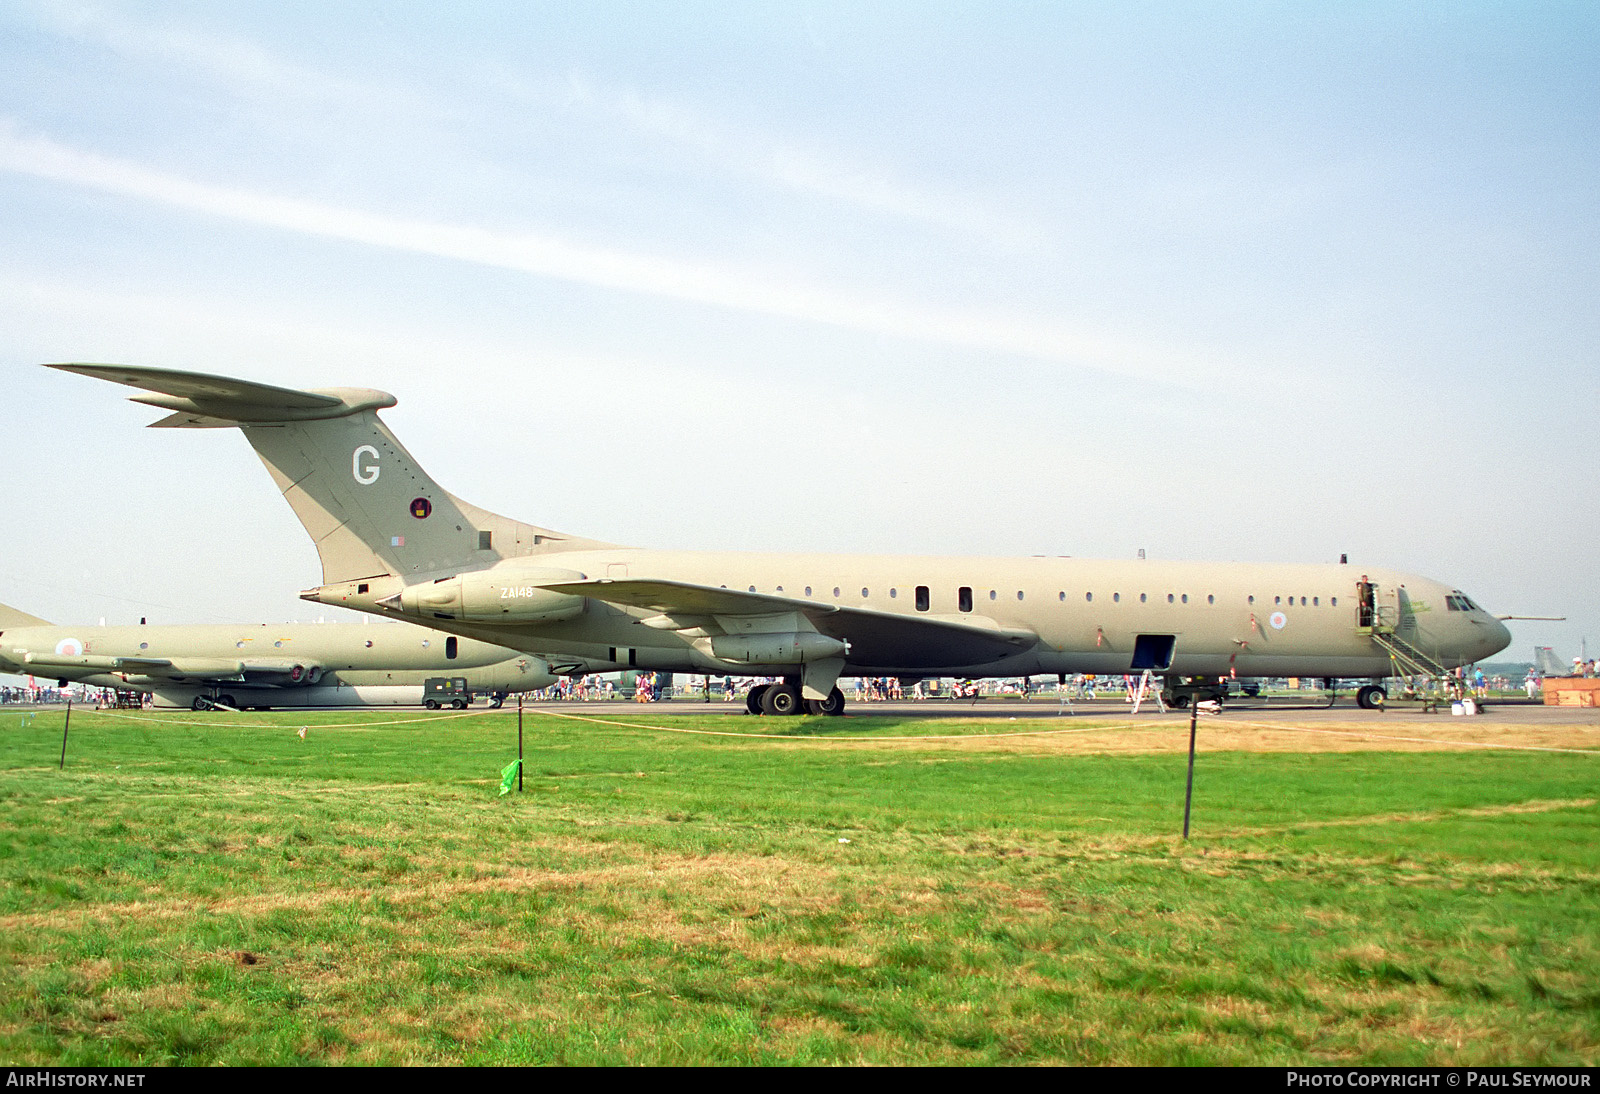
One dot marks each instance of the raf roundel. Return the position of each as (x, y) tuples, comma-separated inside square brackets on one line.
[(1278, 620), (421, 507)]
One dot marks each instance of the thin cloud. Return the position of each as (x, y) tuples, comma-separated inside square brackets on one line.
[(807, 171), (547, 256), (229, 60), (248, 70)]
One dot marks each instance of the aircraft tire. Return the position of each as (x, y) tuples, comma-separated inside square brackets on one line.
[(833, 705), (752, 701), (229, 701), (780, 699), (1371, 697), (200, 703)]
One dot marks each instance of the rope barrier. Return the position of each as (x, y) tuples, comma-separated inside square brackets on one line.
[(1079, 729), (835, 737), (258, 725)]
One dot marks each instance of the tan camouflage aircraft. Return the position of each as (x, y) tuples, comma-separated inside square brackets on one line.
[(271, 665), (394, 543)]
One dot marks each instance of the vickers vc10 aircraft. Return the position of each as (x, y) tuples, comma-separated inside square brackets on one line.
[(282, 665), (394, 543)]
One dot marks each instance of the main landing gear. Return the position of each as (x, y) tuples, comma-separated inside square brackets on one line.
[(1371, 697), (785, 698)]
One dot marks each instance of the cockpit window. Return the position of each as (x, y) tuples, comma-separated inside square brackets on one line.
[(1460, 602)]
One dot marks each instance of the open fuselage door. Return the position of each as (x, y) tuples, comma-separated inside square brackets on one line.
[(1380, 609), (1153, 652)]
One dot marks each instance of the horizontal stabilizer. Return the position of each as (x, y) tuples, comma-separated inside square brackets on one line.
[(199, 400), (10, 617)]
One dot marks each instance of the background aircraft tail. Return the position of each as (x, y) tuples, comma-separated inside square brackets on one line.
[(369, 507), (10, 617), (1548, 664)]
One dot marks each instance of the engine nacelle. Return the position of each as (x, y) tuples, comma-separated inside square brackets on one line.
[(494, 596), (789, 648), (283, 672)]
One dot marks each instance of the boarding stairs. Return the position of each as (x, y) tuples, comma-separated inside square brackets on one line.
[(1407, 659), (1437, 685)]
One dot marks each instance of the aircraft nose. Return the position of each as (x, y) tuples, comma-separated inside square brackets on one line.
[(1502, 636), (1496, 637)]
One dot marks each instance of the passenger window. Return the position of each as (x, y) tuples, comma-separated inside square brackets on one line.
[(922, 598), (964, 598)]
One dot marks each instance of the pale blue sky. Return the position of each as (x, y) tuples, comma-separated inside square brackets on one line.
[(1248, 281)]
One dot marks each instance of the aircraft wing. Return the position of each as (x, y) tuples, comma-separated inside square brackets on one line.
[(180, 668), (875, 637), (196, 669)]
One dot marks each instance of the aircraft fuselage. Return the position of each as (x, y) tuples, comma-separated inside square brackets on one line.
[(283, 664), (1088, 614)]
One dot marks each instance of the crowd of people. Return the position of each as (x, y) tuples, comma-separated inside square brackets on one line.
[(648, 687), (651, 687), (54, 694)]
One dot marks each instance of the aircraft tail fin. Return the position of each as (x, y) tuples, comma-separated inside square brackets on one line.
[(11, 617), (369, 507), (1548, 664)]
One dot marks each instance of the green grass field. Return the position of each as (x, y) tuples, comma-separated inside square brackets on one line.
[(191, 892)]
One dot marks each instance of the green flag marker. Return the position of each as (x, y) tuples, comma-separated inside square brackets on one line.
[(508, 776)]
